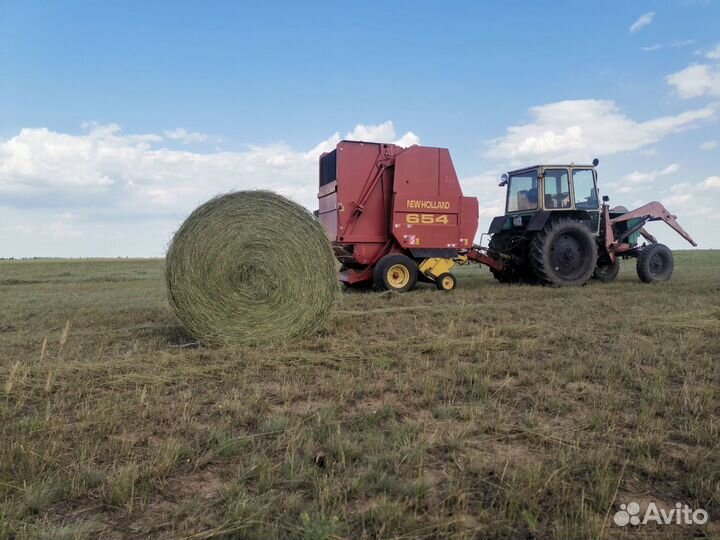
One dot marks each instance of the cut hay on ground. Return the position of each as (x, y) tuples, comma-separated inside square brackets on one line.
[(251, 267)]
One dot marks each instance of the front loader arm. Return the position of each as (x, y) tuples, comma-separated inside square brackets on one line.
[(654, 211)]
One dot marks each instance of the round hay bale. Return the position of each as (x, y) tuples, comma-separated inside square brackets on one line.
[(251, 267)]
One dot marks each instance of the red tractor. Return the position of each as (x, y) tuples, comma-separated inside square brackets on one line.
[(398, 215)]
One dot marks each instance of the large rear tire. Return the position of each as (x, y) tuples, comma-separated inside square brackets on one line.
[(564, 253), (655, 263), (395, 272), (506, 243)]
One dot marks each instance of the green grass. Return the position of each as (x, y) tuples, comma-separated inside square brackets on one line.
[(489, 412)]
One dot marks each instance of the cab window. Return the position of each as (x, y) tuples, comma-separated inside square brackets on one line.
[(522, 192), (557, 189), (585, 192)]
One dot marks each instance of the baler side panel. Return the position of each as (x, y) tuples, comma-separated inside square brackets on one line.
[(470, 214), (357, 166), (428, 201), (366, 229)]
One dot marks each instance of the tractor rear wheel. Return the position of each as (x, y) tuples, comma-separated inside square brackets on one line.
[(607, 272), (655, 263), (395, 272), (498, 244), (564, 253), (510, 243)]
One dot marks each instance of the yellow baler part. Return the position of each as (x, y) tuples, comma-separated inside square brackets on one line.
[(436, 266)]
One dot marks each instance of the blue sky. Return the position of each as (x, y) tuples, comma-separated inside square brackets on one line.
[(117, 118)]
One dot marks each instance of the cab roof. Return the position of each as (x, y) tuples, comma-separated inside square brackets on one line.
[(554, 166)]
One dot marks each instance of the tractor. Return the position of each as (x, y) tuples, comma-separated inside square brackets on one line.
[(556, 231)]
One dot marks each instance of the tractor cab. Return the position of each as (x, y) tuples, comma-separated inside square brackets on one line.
[(551, 225), (533, 193)]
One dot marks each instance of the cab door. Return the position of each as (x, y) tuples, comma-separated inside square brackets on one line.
[(585, 195)]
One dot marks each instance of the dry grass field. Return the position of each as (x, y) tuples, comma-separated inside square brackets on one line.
[(488, 412)]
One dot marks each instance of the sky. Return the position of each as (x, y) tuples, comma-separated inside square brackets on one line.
[(118, 118)]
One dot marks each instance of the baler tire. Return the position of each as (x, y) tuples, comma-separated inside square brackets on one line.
[(384, 266), (446, 282), (605, 273), (578, 247), (655, 263)]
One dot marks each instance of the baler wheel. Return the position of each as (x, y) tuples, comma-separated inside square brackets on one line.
[(564, 253), (607, 272), (655, 263), (396, 272), (446, 282)]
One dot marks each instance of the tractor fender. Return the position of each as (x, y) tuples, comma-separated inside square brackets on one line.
[(539, 220), (497, 224)]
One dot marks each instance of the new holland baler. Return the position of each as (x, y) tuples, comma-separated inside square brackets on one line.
[(395, 215)]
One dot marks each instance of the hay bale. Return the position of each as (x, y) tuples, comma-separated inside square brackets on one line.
[(251, 267)]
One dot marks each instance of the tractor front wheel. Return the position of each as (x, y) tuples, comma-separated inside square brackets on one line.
[(564, 253), (655, 263), (395, 272), (607, 272)]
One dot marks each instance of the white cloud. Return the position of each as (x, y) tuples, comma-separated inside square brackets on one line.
[(696, 80), (681, 195), (384, 132), (675, 44), (682, 43), (580, 130), (711, 182), (713, 54), (697, 203), (408, 139), (644, 20), (59, 230), (491, 197), (637, 177), (185, 136), (638, 181), (67, 186), (679, 199), (709, 145)]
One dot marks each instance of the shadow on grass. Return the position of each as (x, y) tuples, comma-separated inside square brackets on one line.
[(177, 336), (173, 334)]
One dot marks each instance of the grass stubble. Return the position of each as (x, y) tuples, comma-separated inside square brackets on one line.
[(488, 412)]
